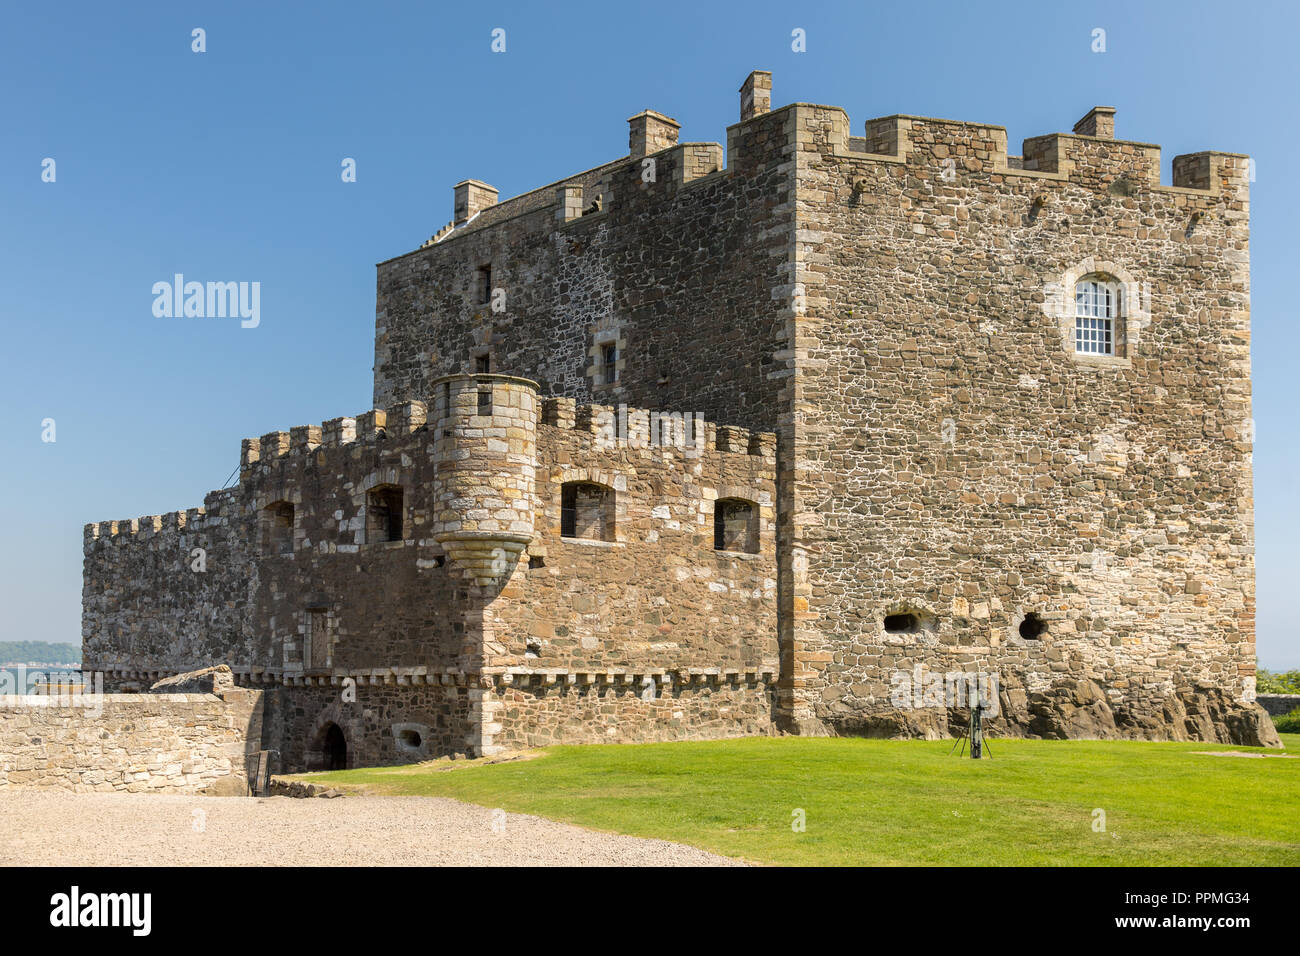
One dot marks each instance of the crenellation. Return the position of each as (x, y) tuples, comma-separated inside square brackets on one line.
[(471, 198), (593, 419), (568, 202), (756, 95), (406, 417), (371, 425), (339, 431), (762, 444), (304, 438), (1099, 122), (690, 162), (273, 445), (650, 132), (559, 412), (731, 438)]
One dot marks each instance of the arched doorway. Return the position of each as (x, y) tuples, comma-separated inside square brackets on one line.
[(335, 749)]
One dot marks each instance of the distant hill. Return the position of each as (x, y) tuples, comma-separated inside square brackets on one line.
[(38, 652)]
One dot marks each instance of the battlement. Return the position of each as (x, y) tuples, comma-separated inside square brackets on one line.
[(1089, 156), (609, 426), (210, 515), (612, 426), (1088, 153), (403, 418)]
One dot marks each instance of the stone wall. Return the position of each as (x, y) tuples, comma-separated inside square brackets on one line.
[(136, 743), (405, 723), (381, 723), (166, 594), (1279, 704), (678, 268), (658, 595), (419, 625), (634, 709), (403, 605), (952, 456)]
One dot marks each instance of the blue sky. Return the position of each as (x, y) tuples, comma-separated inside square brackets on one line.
[(225, 165)]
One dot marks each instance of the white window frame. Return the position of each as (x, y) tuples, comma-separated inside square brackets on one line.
[(1097, 311)]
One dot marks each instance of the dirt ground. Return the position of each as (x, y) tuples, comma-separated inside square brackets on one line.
[(98, 829)]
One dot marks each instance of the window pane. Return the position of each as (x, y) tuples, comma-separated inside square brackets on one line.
[(1093, 336)]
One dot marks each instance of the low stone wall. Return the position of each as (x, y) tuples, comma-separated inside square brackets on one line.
[(156, 743), (1278, 704), (541, 715)]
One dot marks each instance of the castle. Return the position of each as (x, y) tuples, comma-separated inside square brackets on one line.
[(698, 444)]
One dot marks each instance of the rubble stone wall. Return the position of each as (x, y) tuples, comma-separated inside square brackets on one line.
[(677, 268), (136, 743), (952, 456)]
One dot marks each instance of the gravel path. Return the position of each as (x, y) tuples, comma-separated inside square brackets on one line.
[(98, 829)]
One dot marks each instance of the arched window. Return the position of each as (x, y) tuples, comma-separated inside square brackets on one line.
[(734, 525), (586, 511), (1097, 313)]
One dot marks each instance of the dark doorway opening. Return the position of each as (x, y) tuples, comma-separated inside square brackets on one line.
[(335, 749)]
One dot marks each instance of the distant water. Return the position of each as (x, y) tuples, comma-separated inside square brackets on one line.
[(19, 679)]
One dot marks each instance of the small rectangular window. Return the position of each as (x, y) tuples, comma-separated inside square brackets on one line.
[(734, 528), (485, 283), (485, 402), (483, 364), (277, 528), (609, 363), (586, 511), (384, 514)]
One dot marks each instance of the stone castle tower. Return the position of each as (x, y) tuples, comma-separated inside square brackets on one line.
[(792, 437)]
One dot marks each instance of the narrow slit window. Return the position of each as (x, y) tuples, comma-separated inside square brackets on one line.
[(609, 363), (318, 639)]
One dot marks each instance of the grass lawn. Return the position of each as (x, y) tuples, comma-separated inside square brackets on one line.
[(881, 802)]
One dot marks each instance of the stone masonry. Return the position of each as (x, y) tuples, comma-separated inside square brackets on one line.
[(700, 443), (202, 740)]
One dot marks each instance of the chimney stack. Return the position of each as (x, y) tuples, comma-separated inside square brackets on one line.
[(649, 131), (1100, 122), (756, 95), (472, 197)]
